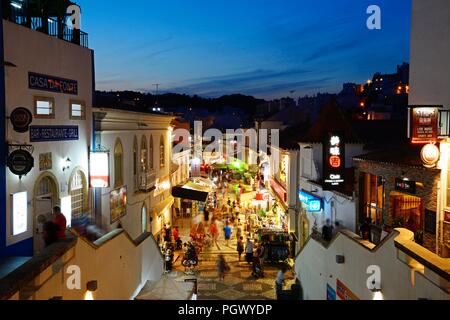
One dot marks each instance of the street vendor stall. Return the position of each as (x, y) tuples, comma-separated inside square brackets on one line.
[(276, 244)]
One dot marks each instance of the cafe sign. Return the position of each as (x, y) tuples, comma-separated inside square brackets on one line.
[(424, 124), (334, 161), (44, 82), (405, 185)]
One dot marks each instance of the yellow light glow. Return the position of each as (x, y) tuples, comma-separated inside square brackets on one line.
[(378, 296), (89, 295)]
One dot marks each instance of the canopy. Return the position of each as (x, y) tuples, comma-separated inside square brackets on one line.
[(191, 194), (167, 289)]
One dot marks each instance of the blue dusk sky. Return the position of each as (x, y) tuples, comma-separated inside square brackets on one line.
[(257, 47)]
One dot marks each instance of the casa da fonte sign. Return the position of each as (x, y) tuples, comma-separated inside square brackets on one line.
[(333, 161), (50, 83), (53, 133)]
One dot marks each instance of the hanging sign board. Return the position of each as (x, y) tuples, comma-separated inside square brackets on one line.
[(20, 119), (20, 162), (424, 124), (333, 161)]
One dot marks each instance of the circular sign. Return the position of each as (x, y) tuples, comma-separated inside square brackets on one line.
[(335, 161), (21, 119), (429, 155), (20, 162)]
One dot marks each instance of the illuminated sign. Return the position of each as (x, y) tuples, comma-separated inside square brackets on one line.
[(313, 203), (53, 133), (162, 185), (19, 212), (405, 185), (429, 155), (54, 84), (118, 203), (66, 209), (99, 169), (424, 124), (333, 161), (279, 190)]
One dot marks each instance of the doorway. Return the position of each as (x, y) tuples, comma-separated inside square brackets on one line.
[(45, 197), (406, 211)]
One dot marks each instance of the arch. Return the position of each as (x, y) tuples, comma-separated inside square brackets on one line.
[(118, 163), (78, 190), (135, 155), (162, 155), (151, 152)]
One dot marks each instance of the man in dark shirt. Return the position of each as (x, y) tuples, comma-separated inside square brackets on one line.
[(50, 233), (297, 290), (327, 231), (365, 229), (60, 220)]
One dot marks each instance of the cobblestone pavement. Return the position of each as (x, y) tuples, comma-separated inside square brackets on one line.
[(238, 284)]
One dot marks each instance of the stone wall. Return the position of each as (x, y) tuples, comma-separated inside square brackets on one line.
[(430, 178)]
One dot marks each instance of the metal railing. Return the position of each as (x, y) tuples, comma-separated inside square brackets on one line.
[(51, 26), (146, 181)]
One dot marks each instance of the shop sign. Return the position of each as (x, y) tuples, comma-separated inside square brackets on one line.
[(405, 185), (343, 292), (45, 161), (50, 83), (118, 203), (20, 162), (331, 293), (53, 133), (279, 190), (424, 124), (313, 203), (99, 169), (19, 212), (21, 118), (333, 161)]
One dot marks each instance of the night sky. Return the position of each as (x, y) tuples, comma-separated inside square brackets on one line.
[(256, 47)]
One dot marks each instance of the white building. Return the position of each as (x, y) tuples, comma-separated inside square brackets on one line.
[(52, 79), (140, 162)]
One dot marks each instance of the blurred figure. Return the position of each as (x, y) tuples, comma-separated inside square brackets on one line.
[(249, 251), (222, 267), (227, 233), (50, 234), (214, 231), (280, 281), (240, 247), (327, 231), (365, 229), (41, 222), (297, 290), (60, 220)]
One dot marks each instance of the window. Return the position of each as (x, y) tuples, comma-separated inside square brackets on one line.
[(135, 160), (44, 107), (77, 193), (161, 152), (144, 154), (371, 199), (118, 164), (77, 110), (151, 152), (144, 218)]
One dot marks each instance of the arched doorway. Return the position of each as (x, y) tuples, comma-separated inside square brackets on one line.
[(46, 195), (144, 218), (78, 193)]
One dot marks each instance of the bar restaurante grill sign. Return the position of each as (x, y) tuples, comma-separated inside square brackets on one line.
[(50, 83)]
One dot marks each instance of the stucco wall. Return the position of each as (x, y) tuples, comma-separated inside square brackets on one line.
[(32, 51)]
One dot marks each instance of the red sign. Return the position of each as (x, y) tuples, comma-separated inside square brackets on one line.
[(335, 161), (447, 216), (279, 190), (424, 124)]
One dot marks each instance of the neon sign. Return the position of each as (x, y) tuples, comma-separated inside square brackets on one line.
[(333, 161), (313, 204)]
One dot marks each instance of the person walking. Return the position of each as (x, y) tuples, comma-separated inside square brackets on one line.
[(60, 220), (279, 282), (214, 231), (240, 247), (249, 250), (222, 267), (261, 253), (227, 233), (327, 231)]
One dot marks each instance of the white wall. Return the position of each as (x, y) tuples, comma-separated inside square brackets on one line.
[(316, 266), (33, 51), (124, 125), (430, 53)]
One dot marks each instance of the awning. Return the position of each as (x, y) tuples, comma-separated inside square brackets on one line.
[(191, 194)]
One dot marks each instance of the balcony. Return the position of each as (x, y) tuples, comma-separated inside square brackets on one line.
[(146, 181), (48, 24)]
